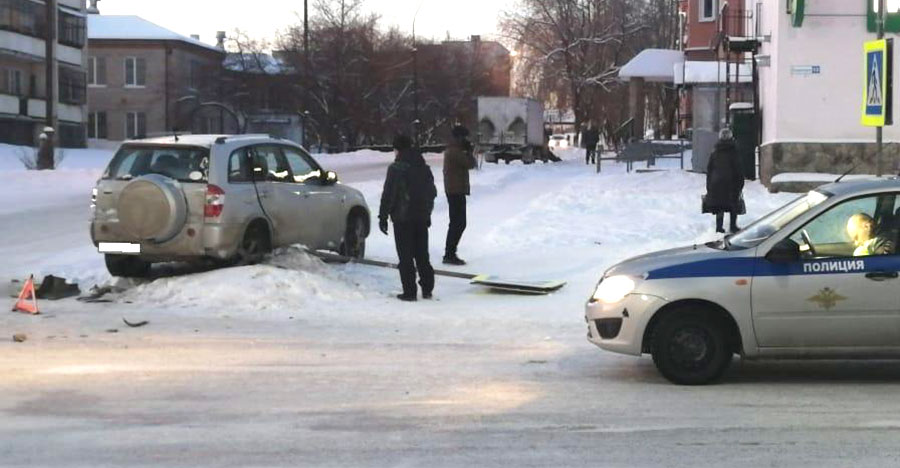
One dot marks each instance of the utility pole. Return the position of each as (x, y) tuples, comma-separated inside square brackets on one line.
[(45, 159), (306, 80), (879, 131), (415, 52)]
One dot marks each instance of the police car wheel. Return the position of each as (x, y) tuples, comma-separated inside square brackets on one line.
[(691, 348)]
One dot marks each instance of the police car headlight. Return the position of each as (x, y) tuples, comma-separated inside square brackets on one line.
[(613, 289)]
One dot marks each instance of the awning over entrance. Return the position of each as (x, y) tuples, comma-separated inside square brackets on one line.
[(652, 65), (711, 72)]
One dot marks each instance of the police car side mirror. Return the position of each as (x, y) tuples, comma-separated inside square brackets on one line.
[(784, 252)]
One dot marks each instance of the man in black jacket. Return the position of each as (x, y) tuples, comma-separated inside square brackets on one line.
[(408, 199)]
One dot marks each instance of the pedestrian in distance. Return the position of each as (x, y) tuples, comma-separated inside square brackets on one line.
[(408, 200), (459, 159), (590, 138), (724, 182)]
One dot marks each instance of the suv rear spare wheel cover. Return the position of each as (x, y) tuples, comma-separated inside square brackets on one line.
[(152, 207)]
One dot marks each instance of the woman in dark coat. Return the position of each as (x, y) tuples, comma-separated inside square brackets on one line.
[(724, 182)]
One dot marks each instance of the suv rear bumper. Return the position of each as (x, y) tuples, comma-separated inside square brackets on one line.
[(190, 243)]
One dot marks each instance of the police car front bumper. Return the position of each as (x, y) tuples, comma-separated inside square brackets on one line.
[(620, 327)]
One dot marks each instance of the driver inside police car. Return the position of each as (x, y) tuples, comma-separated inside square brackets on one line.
[(862, 231)]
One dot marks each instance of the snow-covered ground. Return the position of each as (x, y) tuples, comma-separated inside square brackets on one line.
[(299, 363)]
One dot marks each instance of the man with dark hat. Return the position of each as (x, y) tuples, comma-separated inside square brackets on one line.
[(459, 159), (408, 199)]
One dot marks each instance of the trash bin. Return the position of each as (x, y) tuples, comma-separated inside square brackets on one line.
[(744, 128)]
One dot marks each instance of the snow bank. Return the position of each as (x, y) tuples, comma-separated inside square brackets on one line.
[(290, 281)]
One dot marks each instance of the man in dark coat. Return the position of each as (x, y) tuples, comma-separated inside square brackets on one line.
[(459, 159), (408, 199), (590, 137), (724, 181)]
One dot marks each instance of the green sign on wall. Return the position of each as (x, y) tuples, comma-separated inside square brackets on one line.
[(892, 18)]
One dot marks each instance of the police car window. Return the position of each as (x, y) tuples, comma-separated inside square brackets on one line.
[(273, 163), (765, 227), (853, 228)]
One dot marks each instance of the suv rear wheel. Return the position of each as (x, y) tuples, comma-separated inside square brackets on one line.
[(354, 244), (691, 347), (127, 266), (254, 245)]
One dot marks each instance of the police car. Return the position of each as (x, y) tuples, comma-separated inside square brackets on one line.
[(801, 282)]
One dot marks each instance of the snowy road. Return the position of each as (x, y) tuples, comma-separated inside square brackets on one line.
[(306, 364)]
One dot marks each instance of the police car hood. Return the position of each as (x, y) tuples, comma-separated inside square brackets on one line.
[(648, 264)]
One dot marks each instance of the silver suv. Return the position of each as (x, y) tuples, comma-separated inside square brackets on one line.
[(226, 198)]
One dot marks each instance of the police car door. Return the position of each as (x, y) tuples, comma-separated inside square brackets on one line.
[(831, 298)]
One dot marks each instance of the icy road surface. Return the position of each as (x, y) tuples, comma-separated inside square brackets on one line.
[(298, 363)]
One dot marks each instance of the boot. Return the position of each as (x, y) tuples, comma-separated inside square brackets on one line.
[(734, 227), (406, 297), (720, 218), (453, 260)]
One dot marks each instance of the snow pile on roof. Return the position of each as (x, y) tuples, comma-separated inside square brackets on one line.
[(694, 72), (652, 65), (127, 27)]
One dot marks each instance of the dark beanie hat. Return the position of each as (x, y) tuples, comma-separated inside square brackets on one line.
[(459, 132), (402, 142)]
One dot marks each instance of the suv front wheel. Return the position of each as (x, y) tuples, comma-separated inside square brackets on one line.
[(126, 266)]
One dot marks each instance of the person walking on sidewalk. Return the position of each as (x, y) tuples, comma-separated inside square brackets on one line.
[(724, 182), (459, 159), (408, 200), (590, 137)]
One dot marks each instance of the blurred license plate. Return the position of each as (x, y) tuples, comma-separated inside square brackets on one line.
[(119, 248)]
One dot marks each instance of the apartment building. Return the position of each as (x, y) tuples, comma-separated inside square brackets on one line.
[(23, 107), (145, 80)]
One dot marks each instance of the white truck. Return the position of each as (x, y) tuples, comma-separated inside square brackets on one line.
[(510, 129)]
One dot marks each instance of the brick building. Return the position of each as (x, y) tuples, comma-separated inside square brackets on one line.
[(144, 79), (23, 109)]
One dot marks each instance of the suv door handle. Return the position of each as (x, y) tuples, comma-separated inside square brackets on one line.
[(882, 275)]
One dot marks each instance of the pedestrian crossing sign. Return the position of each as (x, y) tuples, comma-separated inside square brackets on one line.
[(877, 92)]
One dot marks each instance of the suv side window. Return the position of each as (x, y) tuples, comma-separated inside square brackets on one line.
[(238, 167), (858, 227), (304, 169), (270, 159)]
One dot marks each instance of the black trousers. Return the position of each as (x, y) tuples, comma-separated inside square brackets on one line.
[(411, 239), (457, 207), (590, 156)]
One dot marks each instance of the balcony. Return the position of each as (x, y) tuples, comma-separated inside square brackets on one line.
[(737, 30), (37, 109), (9, 104)]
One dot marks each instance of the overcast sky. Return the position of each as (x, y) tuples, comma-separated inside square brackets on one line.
[(461, 18)]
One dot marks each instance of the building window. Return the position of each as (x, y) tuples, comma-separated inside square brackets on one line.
[(194, 76), (71, 29), (72, 86), (23, 16), (97, 125), (709, 10), (135, 72), (11, 81), (97, 71), (135, 125)]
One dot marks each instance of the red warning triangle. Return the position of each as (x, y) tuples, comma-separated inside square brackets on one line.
[(27, 301)]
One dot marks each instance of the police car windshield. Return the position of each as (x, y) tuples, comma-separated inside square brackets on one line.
[(764, 227)]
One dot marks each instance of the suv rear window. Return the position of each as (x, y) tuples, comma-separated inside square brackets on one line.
[(182, 163)]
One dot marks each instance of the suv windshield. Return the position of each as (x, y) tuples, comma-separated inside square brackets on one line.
[(182, 163), (764, 227)]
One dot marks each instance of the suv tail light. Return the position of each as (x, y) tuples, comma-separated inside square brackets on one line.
[(215, 201)]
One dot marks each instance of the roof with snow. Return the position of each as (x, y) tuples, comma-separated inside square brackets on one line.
[(257, 63), (135, 28), (711, 72), (652, 65)]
